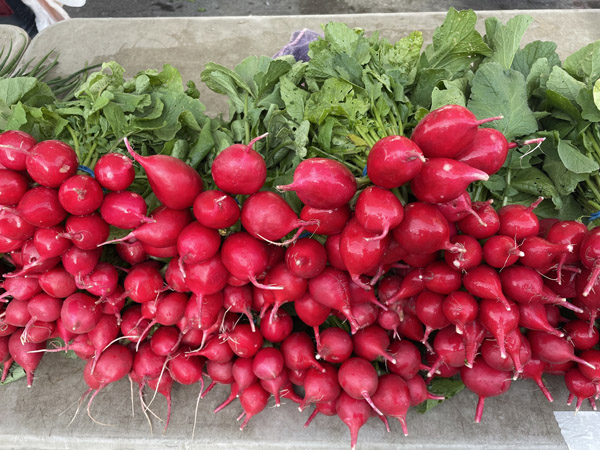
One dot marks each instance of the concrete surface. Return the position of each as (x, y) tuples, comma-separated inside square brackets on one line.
[(38, 418), (14, 33), (189, 43)]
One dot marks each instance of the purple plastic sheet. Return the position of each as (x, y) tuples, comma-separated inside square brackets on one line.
[(298, 44)]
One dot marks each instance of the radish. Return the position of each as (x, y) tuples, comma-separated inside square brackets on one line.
[(80, 195), (15, 145), (51, 162), (132, 252), (238, 299), (298, 352), (243, 373), (593, 357), (146, 363), (306, 258), (486, 215), (80, 313), (459, 208), (552, 349), (392, 398), (322, 183), (484, 282), (533, 317), (408, 359), (424, 230), (519, 221), (578, 333), (28, 355), (102, 281), (320, 386), (429, 310), (460, 308), (13, 186), (239, 169), (267, 363), (86, 232), (378, 211), (331, 288), (17, 313), (125, 209), (186, 369), (41, 208), (20, 288), (219, 373), (244, 342), (197, 243), (41, 307), (163, 232), (335, 346), (441, 278), (233, 394), (253, 399), (8, 245), (80, 263), (114, 171), (411, 285), (451, 179), (589, 255), (359, 380), (50, 242), (133, 323), (568, 232), (326, 408), (325, 221), (418, 391), (539, 253), (354, 413), (334, 257), (13, 226), (485, 382), (501, 251), (393, 161), (372, 342), (215, 209), (449, 348), (163, 384), (144, 282), (174, 277), (364, 313), (312, 313), (267, 216), (579, 386), (293, 287), (360, 252), (162, 171), (165, 341), (411, 327), (447, 131), (498, 320), (517, 348), (534, 370)]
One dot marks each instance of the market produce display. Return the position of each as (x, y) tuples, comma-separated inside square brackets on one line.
[(369, 231)]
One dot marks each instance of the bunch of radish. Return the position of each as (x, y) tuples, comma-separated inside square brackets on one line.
[(352, 305)]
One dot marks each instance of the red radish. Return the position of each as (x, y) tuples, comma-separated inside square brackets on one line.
[(354, 413), (44, 308), (40, 331), (358, 379), (13, 226), (498, 320), (80, 195), (80, 313), (215, 209), (239, 169), (539, 253), (424, 230), (163, 384), (552, 349), (364, 313), (206, 277), (501, 251), (533, 317), (278, 329), (306, 258), (27, 355), (298, 352), (15, 145), (578, 333), (372, 342), (7, 245), (451, 179), (242, 373), (50, 242), (253, 399), (326, 408), (13, 186), (170, 308), (331, 288), (186, 369), (393, 398), (589, 255), (20, 288), (484, 282), (51, 162), (336, 345), (144, 282), (568, 232), (238, 299), (408, 359), (458, 209), (244, 342), (40, 207), (519, 221), (174, 277), (165, 340), (233, 394), (146, 363), (80, 262), (325, 221), (267, 216), (160, 252), (322, 183), (133, 324), (534, 370), (473, 335), (86, 232), (411, 327), (334, 257), (579, 386), (102, 281), (320, 386), (17, 314), (460, 308), (447, 131), (174, 183), (441, 278), (311, 312), (131, 252), (429, 310), (219, 373), (485, 382), (360, 295), (418, 391), (393, 161), (593, 357), (517, 348), (102, 335), (378, 211), (394, 252), (164, 231), (215, 350), (197, 243), (114, 171), (449, 348), (125, 209), (412, 285), (267, 363), (293, 287), (360, 252), (203, 317)]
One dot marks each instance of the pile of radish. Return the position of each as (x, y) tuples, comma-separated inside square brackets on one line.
[(352, 305)]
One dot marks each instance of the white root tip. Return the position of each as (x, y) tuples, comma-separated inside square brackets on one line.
[(521, 254)]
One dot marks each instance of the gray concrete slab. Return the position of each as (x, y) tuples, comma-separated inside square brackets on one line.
[(38, 418), (15, 34)]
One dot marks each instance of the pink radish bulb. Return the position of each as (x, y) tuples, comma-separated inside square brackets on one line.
[(51, 162), (552, 349), (80, 263), (372, 342), (418, 391), (325, 408), (322, 183), (298, 352), (442, 180), (474, 226), (354, 413), (245, 257), (132, 252), (293, 287), (278, 329), (253, 399), (484, 282), (174, 183), (593, 357), (244, 342), (165, 341), (408, 359), (306, 258), (360, 252), (424, 230), (334, 257), (267, 216), (15, 145), (186, 369), (460, 308), (125, 209), (578, 332), (197, 243), (485, 382), (144, 282), (160, 252), (41, 208), (518, 350), (447, 131), (378, 211), (364, 313), (8, 245), (86, 232), (539, 253), (441, 278), (325, 221), (519, 221), (473, 335), (17, 314), (335, 345), (393, 161), (534, 370), (49, 242), (219, 373), (320, 386), (57, 282), (267, 364), (80, 313), (215, 209), (589, 254), (312, 313), (80, 195), (238, 299), (449, 348), (281, 387), (243, 373), (359, 380), (359, 295), (239, 169), (392, 398), (472, 256), (13, 186), (501, 251), (459, 208), (411, 285), (533, 317), (114, 172), (499, 321), (579, 386), (429, 310), (215, 350), (27, 355), (20, 288)]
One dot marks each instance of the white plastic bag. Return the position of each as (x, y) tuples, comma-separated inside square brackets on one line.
[(48, 12)]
